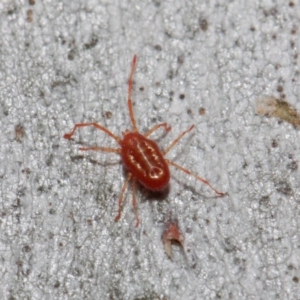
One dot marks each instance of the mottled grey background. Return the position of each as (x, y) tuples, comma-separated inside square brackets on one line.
[(63, 62)]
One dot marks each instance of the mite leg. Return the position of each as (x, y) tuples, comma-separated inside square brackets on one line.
[(177, 140), (194, 175), (134, 203), (167, 129), (101, 149), (117, 218), (69, 135), (129, 102)]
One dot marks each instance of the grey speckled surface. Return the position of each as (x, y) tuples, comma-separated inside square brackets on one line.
[(63, 62)]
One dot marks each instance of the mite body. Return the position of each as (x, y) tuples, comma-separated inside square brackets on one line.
[(143, 159)]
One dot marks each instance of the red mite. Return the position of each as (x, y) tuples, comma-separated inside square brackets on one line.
[(141, 156)]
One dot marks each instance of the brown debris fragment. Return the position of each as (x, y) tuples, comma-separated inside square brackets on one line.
[(29, 17), (19, 133), (272, 107), (172, 234)]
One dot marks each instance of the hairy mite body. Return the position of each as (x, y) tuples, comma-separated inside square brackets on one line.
[(142, 158)]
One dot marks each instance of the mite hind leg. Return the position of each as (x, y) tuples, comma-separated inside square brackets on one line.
[(124, 188), (195, 176), (134, 203)]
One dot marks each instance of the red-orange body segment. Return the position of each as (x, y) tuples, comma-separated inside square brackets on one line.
[(142, 158)]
